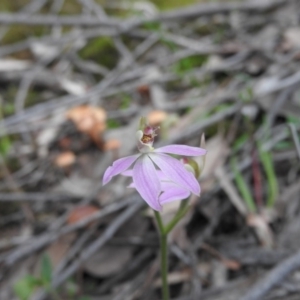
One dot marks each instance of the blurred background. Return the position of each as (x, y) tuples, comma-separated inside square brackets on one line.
[(75, 78)]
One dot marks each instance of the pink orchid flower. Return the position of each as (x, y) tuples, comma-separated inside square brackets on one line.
[(156, 188), (170, 190)]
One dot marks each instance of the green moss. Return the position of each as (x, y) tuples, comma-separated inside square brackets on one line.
[(9, 5), (5, 145), (126, 100), (152, 26), (17, 33), (71, 7), (172, 4), (189, 63), (101, 50), (111, 124)]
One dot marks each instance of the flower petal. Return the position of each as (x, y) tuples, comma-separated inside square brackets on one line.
[(173, 192), (181, 150), (118, 167), (167, 185), (127, 173), (146, 181), (131, 185), (161, 176), (176, 171)]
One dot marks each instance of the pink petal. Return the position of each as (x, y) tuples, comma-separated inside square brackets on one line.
[(118, 167), (181, 150), (173, 192), (131, 185), (167, 185), (127, 173), (161, 176), (176, 172), (146, 181)]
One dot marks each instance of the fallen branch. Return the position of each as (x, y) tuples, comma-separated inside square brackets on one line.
[(49, 237), (274, 277), (94, 246), (203, 9)]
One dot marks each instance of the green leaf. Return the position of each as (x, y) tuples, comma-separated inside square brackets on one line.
[(240, 141), (5, 145), (24, 287), (292, 119), (243, 187), (188, 63), (112, 124), (46, 269), (283, 145), (125, 102), (267, 162), (153, 26)]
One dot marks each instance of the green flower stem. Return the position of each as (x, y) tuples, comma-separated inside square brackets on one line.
[(164, 231), (183, 209), (163, 256)]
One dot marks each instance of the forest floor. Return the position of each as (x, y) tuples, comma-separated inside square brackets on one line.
[(76, 76)]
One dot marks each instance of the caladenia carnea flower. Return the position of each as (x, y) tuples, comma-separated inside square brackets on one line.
[(157, 176), (170, 190)]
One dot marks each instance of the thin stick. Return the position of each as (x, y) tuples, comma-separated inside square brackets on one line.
[(274, 277), (94, 246), (42, 241), (295, 138), (49, 19), (189, 12)]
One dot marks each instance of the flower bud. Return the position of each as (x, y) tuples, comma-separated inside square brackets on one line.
[(145, 136), (190, 165), (196, 164)]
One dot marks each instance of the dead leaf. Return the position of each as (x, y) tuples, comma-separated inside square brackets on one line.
[(262, 229), (156, 117), (65, 159), (65, 143), (56, 252), (58, 249), (108, 261), (217, 152), (112, 259), (112, 144), (231, 264), (80, 213), (144, 90), (89, 120)]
